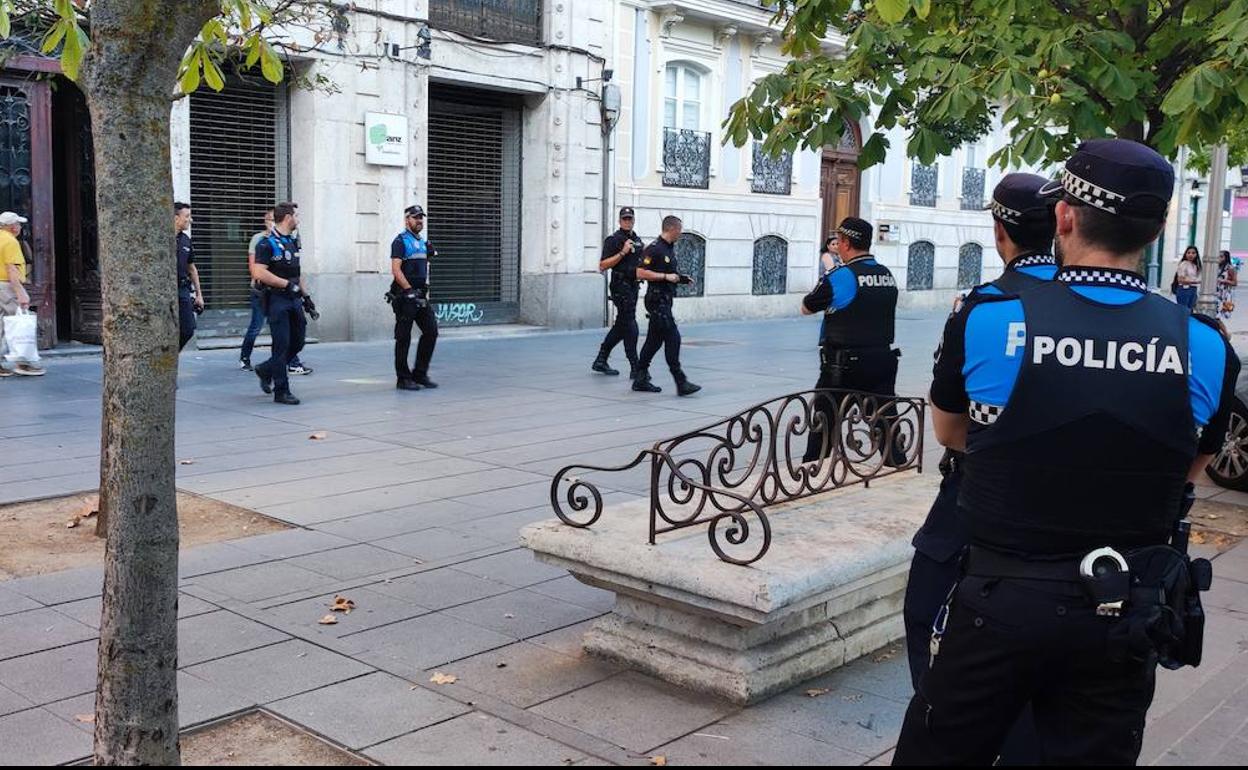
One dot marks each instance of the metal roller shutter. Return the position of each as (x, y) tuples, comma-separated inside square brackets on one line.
[(239, 167), (474, 211)]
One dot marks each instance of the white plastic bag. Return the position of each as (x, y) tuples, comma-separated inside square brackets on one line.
[(21, 337)]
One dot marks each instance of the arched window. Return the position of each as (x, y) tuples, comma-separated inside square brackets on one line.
[(683, 89), (771, 265), (691, 260), (920, 266), (970, 265)]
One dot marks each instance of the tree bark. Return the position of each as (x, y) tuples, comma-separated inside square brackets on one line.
[(128, 76)]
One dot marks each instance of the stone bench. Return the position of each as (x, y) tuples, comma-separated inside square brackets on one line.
[(829, 589)]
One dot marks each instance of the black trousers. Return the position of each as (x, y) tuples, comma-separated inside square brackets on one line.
[(186, 318), (872, 371), (625, 327), (1011, 642), (661, 333), (425, 319), (288, 327)]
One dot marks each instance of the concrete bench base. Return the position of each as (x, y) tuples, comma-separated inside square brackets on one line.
[(829, 590)]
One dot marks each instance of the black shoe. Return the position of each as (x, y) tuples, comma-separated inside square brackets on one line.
[(245, 364), (266, 379), (632, 371), (406, 384), (642, 383), (423, 381), (686, 388), (601, 366), (285, 398)]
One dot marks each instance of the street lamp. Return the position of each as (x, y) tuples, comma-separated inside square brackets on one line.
[(1195, 195)]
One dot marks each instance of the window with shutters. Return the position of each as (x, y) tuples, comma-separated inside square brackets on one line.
[(970, 265), (691, 261), (920, 266), (771, 265), (239, 167)]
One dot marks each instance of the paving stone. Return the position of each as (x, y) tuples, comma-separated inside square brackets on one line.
[(524, 674), (474, 739), (846, 718), (435, 544), (11, 601), (742, 740), (58, 587), (888, 678), (201, 701), (11, 701), (368, 710), (408, 648), (38, 737), (354, 561), (221, 633), (382, 524), (634, 712), (291, 543), (517, 568), (263, 581), (566, 641), (1232, 565), (278, 671), (43, 677), (87, 611), (216, 557), (72, 708), (34, 630), (571, 590), (504, 527), (440, 588), (521, 613), (372, 609)]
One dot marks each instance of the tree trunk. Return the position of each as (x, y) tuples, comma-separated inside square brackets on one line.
[(128, 76)]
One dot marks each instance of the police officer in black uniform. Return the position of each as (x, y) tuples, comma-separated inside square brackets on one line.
[(658, 267), (190, 297), (621, 253), (409, 297), (859, 303), (277, 272), (1070, 501)]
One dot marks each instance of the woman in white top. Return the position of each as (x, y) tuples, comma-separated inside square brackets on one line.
[(1187, 278)]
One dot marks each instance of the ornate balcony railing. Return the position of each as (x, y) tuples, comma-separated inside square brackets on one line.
[(773, 175), (686, 158), (725, 475), (508, 21), (923, 185), (972, 189)]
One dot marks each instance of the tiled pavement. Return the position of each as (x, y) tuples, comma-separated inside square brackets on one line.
[(410, 506)]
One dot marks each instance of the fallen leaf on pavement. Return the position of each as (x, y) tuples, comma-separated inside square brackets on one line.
[(328, 620), (658, 761), (318, 436), (500, 665), (440, 678), (815, 692), (342, 604), (85, 718), (854, 698), (508, 615)]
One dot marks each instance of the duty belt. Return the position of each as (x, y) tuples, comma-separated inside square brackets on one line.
[(836, 356), (984, 562)]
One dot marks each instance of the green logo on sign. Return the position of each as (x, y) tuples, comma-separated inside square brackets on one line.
[(377, 134)]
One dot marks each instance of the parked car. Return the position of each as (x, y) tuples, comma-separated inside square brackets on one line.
[(1230, 466)]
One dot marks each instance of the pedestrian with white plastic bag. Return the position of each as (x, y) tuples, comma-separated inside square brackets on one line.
[(18, 325)]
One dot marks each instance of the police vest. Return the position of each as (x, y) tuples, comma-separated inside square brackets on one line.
[(1094, 444), (285, 260), (415, 263), (868, 321)]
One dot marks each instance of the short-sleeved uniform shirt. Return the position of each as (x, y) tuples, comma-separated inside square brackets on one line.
[(625, 271), (11, 254), (280, 253), (186, 258), (660, 257)]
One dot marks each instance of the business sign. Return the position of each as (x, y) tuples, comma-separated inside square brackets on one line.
[(385, 139), (1239, 228)]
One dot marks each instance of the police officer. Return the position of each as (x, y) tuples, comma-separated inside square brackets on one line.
[(621, 252), (1069, 501), (276, 269), (190, 296), (1023, 225), (409, 264), (859, 303), (659, 268)]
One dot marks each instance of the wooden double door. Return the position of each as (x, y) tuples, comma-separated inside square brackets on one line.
[(840, 182)]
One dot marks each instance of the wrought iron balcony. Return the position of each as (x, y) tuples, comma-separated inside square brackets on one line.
[(923, 185), (686, 158), (772, 175), (510, 21), (972, 189)]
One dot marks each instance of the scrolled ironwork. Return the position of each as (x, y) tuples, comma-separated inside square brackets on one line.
[(686, 158), (726, 474)]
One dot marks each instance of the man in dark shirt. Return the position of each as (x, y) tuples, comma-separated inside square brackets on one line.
[(190, 296), (277, 272), (621, 253), (409, 265), (658, 267)]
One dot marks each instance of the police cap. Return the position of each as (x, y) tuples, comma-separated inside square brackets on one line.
[(858, 231), (1117, 176), (1016, 199), (414, 211), (626, 213)]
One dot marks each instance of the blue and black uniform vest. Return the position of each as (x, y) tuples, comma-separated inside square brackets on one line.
[(285, 260), (1094, 443), (415, 263), (868, 321)]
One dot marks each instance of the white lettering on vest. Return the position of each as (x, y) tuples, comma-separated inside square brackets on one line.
[(877, 280), (1015, 338), (1107, 354)]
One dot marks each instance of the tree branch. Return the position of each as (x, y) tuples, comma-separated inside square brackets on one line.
[(1177, 6)]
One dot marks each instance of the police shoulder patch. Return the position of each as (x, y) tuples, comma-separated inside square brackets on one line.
[(667, 259), (645, 261)]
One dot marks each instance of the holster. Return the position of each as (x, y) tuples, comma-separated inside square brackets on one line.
[(1164, 616)]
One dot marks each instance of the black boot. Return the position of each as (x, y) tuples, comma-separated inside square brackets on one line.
[(266, 379), (601, 366), (285, 397), (422, 379), (406, 383), (683, 386), (642, 383), (632, 370)]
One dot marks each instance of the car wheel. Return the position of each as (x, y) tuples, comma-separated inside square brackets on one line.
[(1230, 465)]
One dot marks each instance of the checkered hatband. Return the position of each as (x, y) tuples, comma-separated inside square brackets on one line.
[(1006, 214), (1091, 194)]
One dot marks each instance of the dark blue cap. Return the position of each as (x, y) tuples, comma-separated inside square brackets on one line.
[(1117, 176), (414, 211), (859, 231), (1016, 199)]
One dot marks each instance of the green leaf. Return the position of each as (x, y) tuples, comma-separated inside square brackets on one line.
[(874, 151), (922, 8), (190, 75), (54, 37), (213, 75), (1182, 96), (5, 22), (71, 52), (270, 64), (892, 11)]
